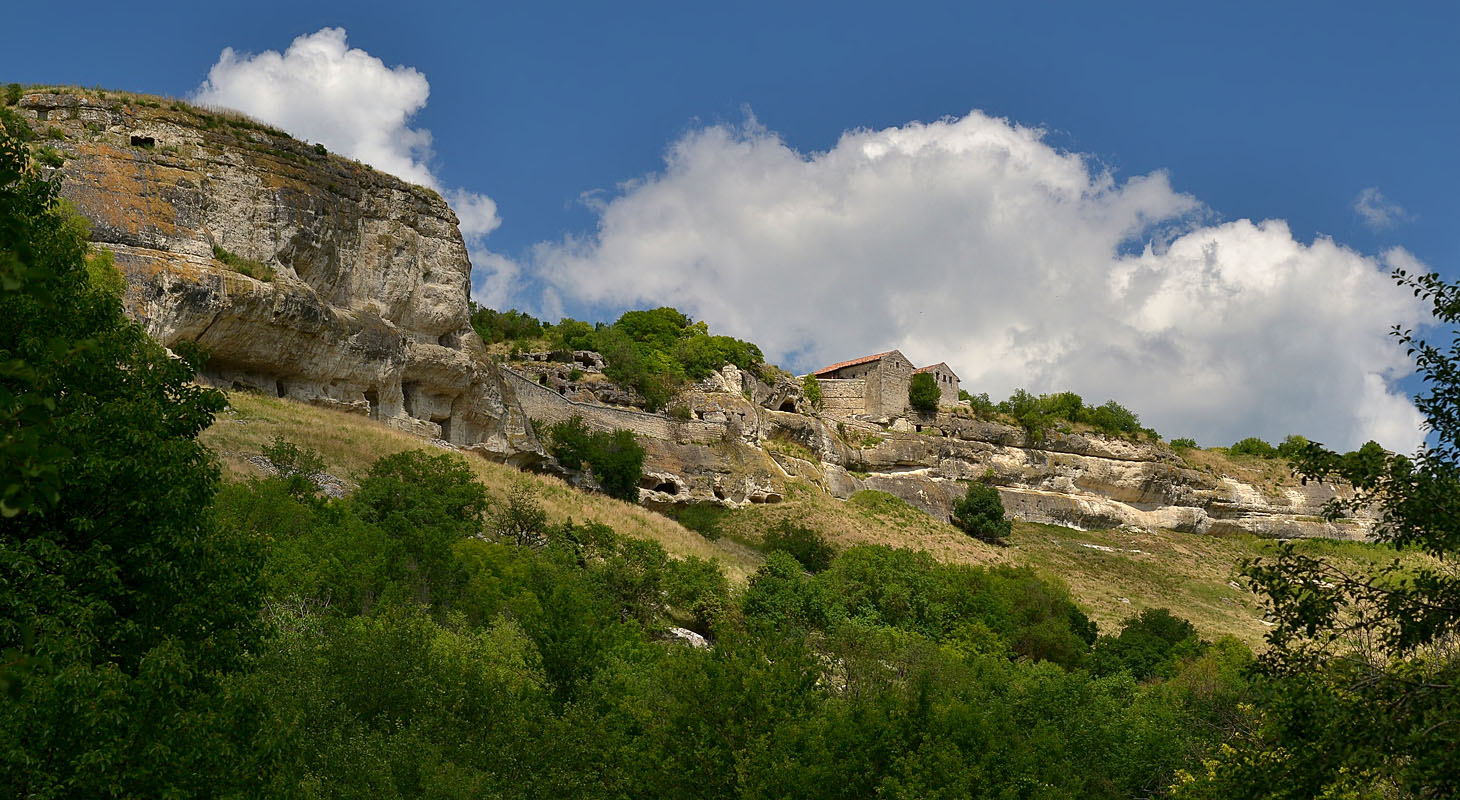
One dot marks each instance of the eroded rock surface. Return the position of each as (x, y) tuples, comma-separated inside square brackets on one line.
[(358, 298)]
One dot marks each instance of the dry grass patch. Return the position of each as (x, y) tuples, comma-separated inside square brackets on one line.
[(350, 443), (846, 525), (1272, 474)]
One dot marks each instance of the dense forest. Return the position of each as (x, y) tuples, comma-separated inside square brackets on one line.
[(164, 634)]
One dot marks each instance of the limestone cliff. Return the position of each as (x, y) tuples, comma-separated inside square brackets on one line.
[(357, 296), (316, 278), (736, 447)]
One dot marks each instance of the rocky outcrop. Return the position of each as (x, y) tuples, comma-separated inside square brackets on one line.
[(304, 274), (316, 278), (1074, 480)]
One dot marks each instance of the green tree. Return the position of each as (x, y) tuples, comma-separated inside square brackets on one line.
[(811, 387), (980, 514), (923, 393), (126, 614), (802, 543), (425, 503), (296, 465), (1361, 695), (1149, 645), (1253, 446), (616, 459)]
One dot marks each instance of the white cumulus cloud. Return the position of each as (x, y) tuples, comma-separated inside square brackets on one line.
[(323, 90), (972, 241), (1377, 211)]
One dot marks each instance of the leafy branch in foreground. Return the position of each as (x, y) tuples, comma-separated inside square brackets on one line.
[(1361, 689)]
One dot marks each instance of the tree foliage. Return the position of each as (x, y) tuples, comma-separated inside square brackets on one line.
[(923, 393), (656, 351), (1038, 413), (127, 615), (1362, 689), (811, 388), (505, 326), (980, 514), (616, 459), (804, 544)]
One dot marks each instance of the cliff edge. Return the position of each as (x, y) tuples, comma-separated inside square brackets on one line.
[(305, 275)]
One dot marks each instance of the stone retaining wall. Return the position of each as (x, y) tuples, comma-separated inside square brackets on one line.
[(545, 405), (843, 397)]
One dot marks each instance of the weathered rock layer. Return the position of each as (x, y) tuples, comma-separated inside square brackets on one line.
[(316, 278), (365, 308)]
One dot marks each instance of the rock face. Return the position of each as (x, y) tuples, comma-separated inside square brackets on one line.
[(365, 308), (737, 447), (318, 279)]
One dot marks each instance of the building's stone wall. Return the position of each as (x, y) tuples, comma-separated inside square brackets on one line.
[(545, 405), (887, 386), (841, 397)]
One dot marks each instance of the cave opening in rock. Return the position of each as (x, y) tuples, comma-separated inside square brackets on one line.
[(667, 487), (449, 340), (408, 398), (143, 141), (789, 405), (280, 389), (373, 398), (445, 424)]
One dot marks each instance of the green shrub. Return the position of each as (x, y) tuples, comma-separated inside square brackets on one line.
[(296, 465), (15, 125), (1253, 446), (320, 150), (980, 514), (1149, 645), (101, 267), (702, 518), (1183, 444), (1292, 446), (802, 543), (521, 519), (656, 352), (504, 326), (55, 133), (50, 156), (12, 94), (243, 266), (698, 588), (680, 412), (1036, 414), (980, 404), (923, 393), (811, 387), (616, 459)]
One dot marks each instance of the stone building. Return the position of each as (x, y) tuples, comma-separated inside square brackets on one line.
[(876, 385)]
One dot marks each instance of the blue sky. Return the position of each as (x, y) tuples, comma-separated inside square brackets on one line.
[(1304, 113)]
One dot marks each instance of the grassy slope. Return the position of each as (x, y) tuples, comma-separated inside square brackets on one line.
[(1112, 573), (350, 443)]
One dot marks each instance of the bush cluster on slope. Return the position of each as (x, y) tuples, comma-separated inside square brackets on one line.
[(655, 352), (616, 459)]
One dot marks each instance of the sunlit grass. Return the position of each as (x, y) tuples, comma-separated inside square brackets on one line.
[(1114, 574)]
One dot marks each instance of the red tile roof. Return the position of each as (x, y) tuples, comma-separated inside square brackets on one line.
[(932, 367), (854, 362)]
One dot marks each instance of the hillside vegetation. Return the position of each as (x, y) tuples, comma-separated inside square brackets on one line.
[(1112, 574), (442, 627)]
